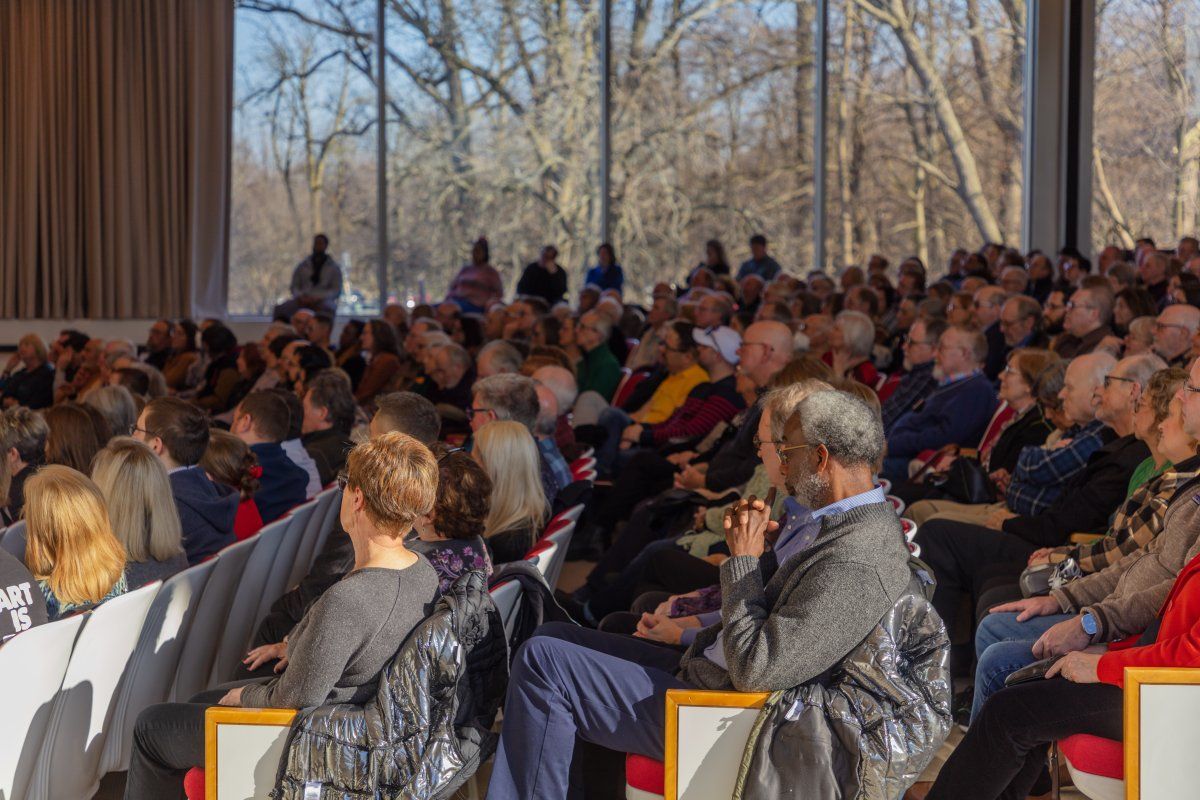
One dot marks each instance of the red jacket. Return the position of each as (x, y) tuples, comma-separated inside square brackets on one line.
[(1178, 642)]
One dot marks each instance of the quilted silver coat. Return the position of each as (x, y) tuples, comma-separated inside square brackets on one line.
[(428, 728), (868, 727)]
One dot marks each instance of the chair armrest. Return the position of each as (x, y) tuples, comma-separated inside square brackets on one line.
[(702, 755), (242, 748), (1085, 538), (1162, 722)]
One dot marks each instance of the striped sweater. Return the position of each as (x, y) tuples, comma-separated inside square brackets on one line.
[(706, 405)]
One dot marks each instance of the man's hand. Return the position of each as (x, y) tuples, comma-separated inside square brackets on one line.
[(699, 519), (232, 698), (631, 436), (747, 523), (1001, 479), (996, 518), (1029, 608), (1040, 556), (658, 628), (692, 477), (682, 459), (1065, 637), (1077, 667)]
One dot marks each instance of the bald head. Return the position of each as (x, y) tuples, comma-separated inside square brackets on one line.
[(547, 418), (766, 348), (561, 382), (1082, 383), (1174, 329)]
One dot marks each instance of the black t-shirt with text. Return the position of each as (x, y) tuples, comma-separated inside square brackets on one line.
[(21, 602)]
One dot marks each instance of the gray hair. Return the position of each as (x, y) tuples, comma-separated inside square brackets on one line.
[(858, 332), (509, 397), (458, 355), (505, 357), (561, 381), (1140, 368), (781, 403), (600, 322), (849, 429), (115, 404)]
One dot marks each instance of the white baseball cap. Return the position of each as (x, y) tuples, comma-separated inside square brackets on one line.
[(723, 339)]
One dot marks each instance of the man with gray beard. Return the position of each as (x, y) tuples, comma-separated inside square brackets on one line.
[(791, 611)]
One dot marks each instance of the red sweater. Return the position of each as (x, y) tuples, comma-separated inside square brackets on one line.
[(1178, 642)]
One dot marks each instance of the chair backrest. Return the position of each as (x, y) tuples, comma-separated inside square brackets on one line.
[(14, 540), (573, 513), (247, 595), (155, 660), (507, 597), (200, 644), (35, 662), (326, 528), (69, 765), (277, 581), (544, 555), (561, 538), (312, 531)]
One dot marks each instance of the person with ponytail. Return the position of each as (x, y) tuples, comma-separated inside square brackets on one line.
[(230, 461)]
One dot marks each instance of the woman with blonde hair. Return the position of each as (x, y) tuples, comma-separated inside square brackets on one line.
[(507, 452), (33, 385), (141, 510), (70, 548), (230, 461), (339, 649)]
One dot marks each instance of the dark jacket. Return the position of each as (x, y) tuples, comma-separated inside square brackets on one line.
[(733, 464), (997, 354), (866, 728), (428, 728), (283, 484), (328, 449), (1028, 430), (1088, 499), (206, 513), (1068, 345), (536, 281), (954, 414), (32, 389), (538, 605)]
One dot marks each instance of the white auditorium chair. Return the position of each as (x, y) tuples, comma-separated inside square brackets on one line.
[(325, 530), (26, 704), (1162, 729), (562, 538), (706, 734), (200, 646), (239, 625), (327, 503), (13, 540), (542, 555), (151, 671), (277, 581), (507, 597), (69, 765), (571, 514)]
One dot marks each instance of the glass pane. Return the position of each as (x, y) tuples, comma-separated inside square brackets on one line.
[(925, 124), (492, 114), (1146, 122), (712, 133), (303, 149)]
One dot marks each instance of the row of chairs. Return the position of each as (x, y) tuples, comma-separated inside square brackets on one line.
[(77, 686)]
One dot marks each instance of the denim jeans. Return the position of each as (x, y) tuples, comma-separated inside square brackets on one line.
[(1003, 646), (608, 454)]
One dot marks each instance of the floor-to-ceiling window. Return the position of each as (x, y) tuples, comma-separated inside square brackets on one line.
[(1146, 123)]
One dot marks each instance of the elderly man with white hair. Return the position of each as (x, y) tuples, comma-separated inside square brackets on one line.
[(851, 342), (561, 381)]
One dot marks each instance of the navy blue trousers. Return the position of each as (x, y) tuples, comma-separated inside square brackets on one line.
[(569, 681)]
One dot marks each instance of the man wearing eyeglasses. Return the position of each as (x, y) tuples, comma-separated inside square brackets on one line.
[(920, 347), (1173, 332), (985, 315), (1088, 315)]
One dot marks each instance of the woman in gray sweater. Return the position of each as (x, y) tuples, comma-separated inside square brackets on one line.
[(342, 645)]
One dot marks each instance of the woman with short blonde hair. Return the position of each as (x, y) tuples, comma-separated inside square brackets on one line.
[(141, 510), (509, 455), (70, 548)]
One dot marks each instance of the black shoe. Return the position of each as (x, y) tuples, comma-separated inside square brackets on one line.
[(961, 706)]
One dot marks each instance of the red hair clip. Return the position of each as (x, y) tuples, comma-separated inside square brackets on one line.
[(256, 471)]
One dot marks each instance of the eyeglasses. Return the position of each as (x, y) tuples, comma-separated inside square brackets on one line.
[(471, 412), (343, 479), (1072, 304), (1160, 325), (136, 429), (758, 443), (449, 451), (1108, 379), (783, 451)]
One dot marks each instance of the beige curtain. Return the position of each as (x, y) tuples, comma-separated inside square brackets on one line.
[(114, 145)]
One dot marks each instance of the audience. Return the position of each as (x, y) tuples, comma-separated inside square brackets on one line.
[(23, 435), (293, 445), (382, 353), (177, 432), (329, 412), (137, 493), (33, 385), (70, 548), (519, 508), (450, 536), (229, 461), (72, 439), (261, 421)]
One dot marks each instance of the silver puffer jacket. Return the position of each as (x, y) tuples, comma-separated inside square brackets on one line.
[(868, 727), (428, 728)]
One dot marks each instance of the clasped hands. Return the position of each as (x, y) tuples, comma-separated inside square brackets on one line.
[(747, 523)]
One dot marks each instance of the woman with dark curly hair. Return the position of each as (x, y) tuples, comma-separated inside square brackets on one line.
[(451, 535)]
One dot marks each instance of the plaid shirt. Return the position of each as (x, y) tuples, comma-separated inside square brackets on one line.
[(1042, 472), (1136, 523), (914, 386)]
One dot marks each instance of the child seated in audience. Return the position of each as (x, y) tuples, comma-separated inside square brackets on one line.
[(230, 461)]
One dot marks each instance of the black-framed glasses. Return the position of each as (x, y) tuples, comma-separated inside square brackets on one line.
[(450, 450), (1108, 379), (471, 412), (136, 429)]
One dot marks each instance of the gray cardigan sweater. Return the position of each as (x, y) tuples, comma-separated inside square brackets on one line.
[(785, 629)]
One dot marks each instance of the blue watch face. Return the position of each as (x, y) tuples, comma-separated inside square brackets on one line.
[(1089, 623)]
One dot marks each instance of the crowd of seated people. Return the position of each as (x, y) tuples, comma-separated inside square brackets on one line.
[(1010, 401)]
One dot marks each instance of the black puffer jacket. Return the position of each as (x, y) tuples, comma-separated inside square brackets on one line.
[(867, 728), (429, 727)]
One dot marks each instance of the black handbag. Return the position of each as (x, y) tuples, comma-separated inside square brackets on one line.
[(967, 482)]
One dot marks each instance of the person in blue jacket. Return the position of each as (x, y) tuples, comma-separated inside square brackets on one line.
[(607, 274), (956, 412), (262, 420)]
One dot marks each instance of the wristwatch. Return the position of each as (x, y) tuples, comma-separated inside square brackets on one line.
[(1090, 626)]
